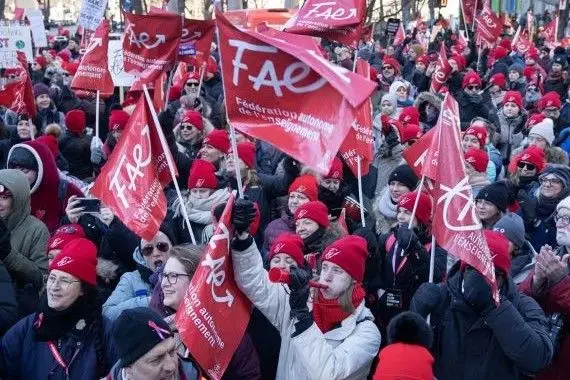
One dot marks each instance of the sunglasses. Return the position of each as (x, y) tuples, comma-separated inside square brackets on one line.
[(387, 68), (526, 165), (473, 88), (162, 247), (192, 84), (187, 127)]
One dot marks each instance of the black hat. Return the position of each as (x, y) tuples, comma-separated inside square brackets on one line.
[(136, 332), (23, 158), (561, 60), (496, 193), (405, 175)]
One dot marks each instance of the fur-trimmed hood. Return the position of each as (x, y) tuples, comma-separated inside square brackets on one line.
[(427, 97), (556, 155)]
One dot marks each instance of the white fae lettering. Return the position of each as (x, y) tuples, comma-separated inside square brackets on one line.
[(325, 10), (216, 278)]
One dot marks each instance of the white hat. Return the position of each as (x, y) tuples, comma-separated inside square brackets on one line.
[(565, 203), (544, 129)]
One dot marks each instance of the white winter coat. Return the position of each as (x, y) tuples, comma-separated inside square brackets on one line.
[(345, 352)]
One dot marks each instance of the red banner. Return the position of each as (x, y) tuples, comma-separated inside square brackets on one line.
[(150, 46), (520, 42), (131, 182), (549, 32), (18, 95), (442, 71), (283, 91), (489, 25), (469, 11), (400, 35), (359, 141), (214, 313), (455, 224), (93, 71), (340, 21)]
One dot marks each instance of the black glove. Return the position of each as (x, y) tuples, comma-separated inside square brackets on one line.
[(407, 239), (528, 207), (291, 166), (243, 214), (390, 142), (300, 289), (477, 292), (5, 246)]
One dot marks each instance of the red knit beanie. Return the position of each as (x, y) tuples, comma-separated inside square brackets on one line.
[(471, 79), (175, 93), (549, 100), (349, 253), (246, 153), (534, 119), (202, 175), (533, 155), (64, 235), (212, 67), (193, 117), (307, 185), (514, 97), (424, 59), (118, 120), (478, 158), (391, 61), (336, 170), (479, 132), (498, 80), (289, 244), (219, 140), (401, 361), (75, 121), (500, 52), (423, 211), (499, 247), (409, 132), (191, 75), (459, 60), (79, 259), (317, 211), (532, 53), (410, 115), (52, 144)]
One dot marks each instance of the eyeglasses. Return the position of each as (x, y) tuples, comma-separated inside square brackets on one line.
[(66, 74), (385, 68), (473, 88), (187, 127), (550, 181), (526, 165), (172, 277), (63, 282), (162, 247), (562, 221), (192, 84)]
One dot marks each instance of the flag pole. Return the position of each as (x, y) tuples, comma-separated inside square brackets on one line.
[(97, 98), (431, 266), (166, 149), (169, 85), (416, 202), (202, 71), (360, 198), (236, 158)]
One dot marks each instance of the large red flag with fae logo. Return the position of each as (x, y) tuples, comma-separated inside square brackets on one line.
[(18, 95), (520, 42), (214, 313), (455, 225), (400, 36), (131, 182), (550, 31), (279, 88), (93, 71), (489, 25), (359, 141), (150, 44), (442, 71), (340, 20)]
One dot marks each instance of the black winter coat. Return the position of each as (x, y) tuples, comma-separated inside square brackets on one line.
[(77, 151), (509, 341), (8, 305)]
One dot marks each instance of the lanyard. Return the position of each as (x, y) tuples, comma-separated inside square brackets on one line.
[(394, 258), (59, 359)]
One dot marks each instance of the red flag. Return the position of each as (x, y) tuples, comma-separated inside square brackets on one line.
[(340, 21), (19, 14), (359, 141), (489, 25), (400, 35), (284, 91), (442, 71), (150, 45), (550, 32), (93, 71), (215, 313), (18, 94), (520, 43), (469, 11), (455, 224), (131, 182), (367, 32)]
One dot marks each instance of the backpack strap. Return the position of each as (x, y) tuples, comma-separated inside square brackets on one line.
[(62, 190), (390, 243)]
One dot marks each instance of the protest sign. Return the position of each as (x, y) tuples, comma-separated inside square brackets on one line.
[(115, 64), (15, 38), (92, 12), (36, 19)]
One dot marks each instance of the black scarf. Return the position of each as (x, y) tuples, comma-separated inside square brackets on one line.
[(313, 242), (51, 325), (546, 206)]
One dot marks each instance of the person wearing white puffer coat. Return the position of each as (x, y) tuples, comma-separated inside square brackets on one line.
[(337, 339)]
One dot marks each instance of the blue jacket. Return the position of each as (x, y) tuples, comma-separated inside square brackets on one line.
[(23, 357)]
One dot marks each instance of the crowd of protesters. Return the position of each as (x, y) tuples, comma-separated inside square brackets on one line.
[(83, 297)]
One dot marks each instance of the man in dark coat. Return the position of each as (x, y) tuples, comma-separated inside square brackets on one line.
[(474, 337)]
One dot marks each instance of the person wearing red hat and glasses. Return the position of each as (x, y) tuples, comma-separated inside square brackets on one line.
[(497, 85), (402, 262), (190, 133), (65, 338), (337, 338), (118, 120), (504, 340), (524, 170), (549, 105)]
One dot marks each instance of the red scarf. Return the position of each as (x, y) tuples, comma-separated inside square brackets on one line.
[(328, 313)]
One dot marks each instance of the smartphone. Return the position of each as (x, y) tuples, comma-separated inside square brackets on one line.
[(90, 205)]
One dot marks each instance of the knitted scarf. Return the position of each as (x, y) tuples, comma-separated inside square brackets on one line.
[(328, 314)]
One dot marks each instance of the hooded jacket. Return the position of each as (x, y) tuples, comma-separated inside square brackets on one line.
[(27, 261), (509, 340), (423, 99), (345, 352), (49, 193)]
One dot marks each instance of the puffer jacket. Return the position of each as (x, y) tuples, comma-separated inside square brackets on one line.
[(508, 341), (27, 261), (510, 137), (345, 352), (132, 290)]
